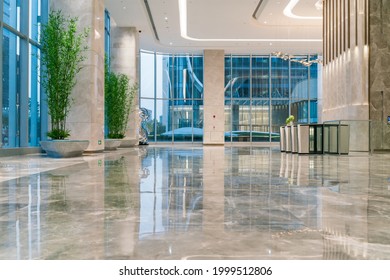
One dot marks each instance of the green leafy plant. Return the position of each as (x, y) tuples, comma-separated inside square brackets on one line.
[(290, 119), (62, 48), (118, 95)]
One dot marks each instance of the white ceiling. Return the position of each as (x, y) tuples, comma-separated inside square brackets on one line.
[(233, 25)]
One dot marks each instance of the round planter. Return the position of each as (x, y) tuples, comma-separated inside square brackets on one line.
[(64, 148), (112, 144)]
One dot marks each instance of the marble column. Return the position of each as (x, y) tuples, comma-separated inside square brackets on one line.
[(124, 59), (379, 83), (86, 118), (214, 97)]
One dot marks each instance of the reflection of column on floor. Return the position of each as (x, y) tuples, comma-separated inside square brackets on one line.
[(122, 213), (345, 206), (213, 188), (85, 199)]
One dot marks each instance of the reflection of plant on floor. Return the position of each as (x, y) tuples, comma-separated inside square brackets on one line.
[(118, 192), (58, 200)]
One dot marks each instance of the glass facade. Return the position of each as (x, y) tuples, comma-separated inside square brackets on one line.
[(107, 31), (260, 93), (172, 90), (21, 95)]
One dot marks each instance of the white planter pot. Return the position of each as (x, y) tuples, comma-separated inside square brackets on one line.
[(64, 148), (127, 143), (112, 144)]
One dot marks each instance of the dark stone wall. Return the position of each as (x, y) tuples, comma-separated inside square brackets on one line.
[(379, 74)]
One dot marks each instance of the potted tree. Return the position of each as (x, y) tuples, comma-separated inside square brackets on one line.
[(290, 120), (62, 48), (118, 96)]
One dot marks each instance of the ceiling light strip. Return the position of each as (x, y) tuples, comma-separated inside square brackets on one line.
[(151, 20), (184, 31), (289, 13)]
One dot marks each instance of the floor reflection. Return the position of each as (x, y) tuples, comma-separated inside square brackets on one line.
[(168, 202), (171, 195)]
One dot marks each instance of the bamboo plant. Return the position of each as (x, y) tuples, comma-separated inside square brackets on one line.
[(62, 48), (290, 120), (118, 94)]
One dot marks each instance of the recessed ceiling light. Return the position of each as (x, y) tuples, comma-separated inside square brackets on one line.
[(124, 7), (265, 22), (289, 13), (319, 5), (166, 18)]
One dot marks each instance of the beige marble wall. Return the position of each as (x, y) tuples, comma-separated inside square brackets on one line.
[(214, 98), (345, 86), (86, 118), (124, 59), (380, 72), (345, 93), (345, 78), (356, 85)]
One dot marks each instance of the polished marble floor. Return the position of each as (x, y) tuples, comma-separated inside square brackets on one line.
[(195, 202)]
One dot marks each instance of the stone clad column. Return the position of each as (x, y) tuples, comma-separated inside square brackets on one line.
[(124, 59), (86, 118), (379, 85), (214, 97)]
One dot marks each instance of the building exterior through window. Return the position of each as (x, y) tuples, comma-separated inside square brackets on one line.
[(260, 93)]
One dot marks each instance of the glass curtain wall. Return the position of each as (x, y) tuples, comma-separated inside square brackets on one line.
[(107, 32), (172, 90), (21, 95), (260, 93)]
